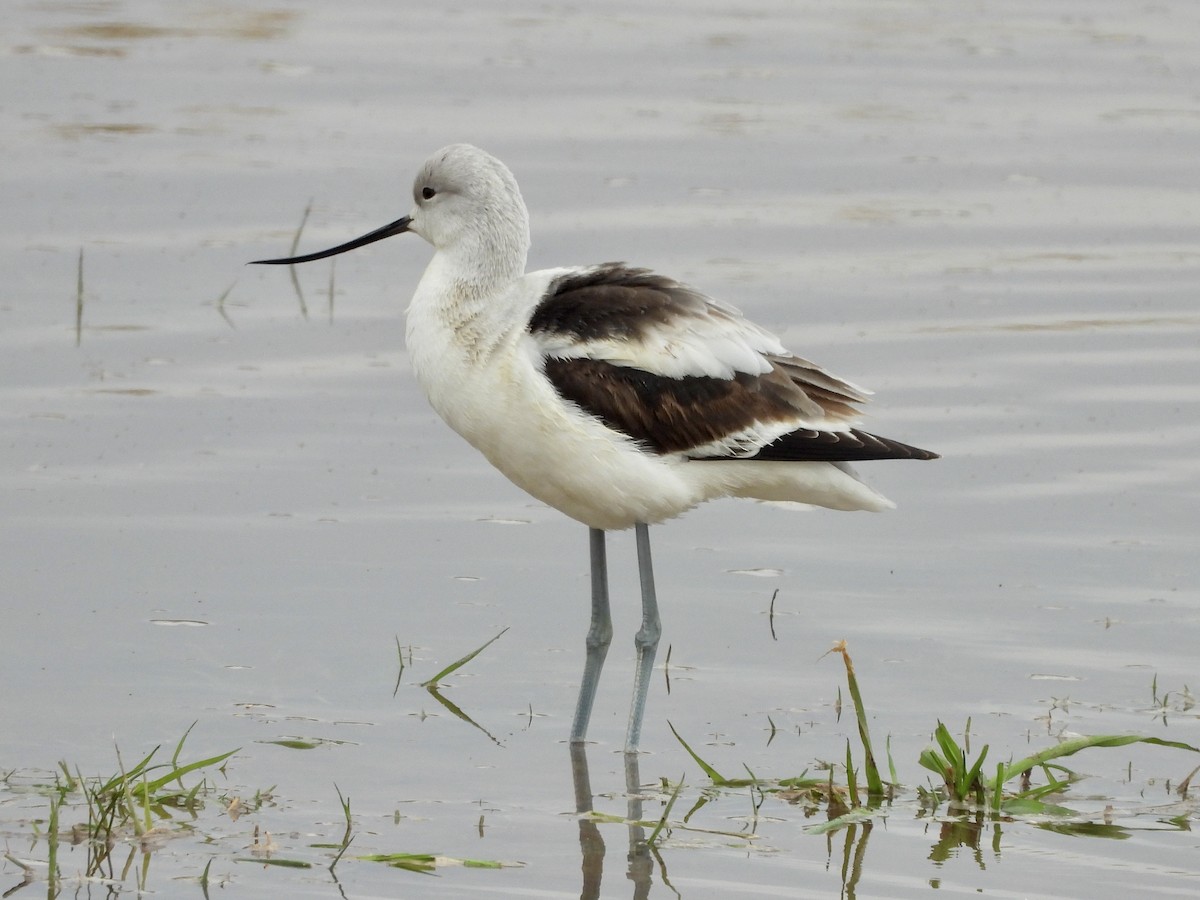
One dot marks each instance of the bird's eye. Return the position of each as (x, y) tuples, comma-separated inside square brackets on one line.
[(428, 193)]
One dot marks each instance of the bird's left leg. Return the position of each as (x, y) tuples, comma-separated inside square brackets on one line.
[(646, 640)]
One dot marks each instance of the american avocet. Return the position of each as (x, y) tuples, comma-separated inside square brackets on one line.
[(616, 395)]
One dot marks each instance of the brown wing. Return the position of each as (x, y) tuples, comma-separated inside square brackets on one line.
[(699, 415)]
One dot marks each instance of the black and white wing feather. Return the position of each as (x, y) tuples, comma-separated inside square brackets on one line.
[(683, 374)]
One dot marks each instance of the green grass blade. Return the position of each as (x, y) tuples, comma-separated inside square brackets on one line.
[(862, 814), (340, 852), (282, 863), (949, 761), (952, 753), (1068, 748), (345, 802), (851, 781), (934, 762), (1027, 806), (179, 772), (118, 781), (52, 845), (426, 863), (204, 876), (715, 776), (870, 768), (973, 782), (179, 746), (400, 672), (146, 820), (458, 664), (662, 821), (423, 863)]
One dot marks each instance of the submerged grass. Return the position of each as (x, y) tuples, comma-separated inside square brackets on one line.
[(426, 863)]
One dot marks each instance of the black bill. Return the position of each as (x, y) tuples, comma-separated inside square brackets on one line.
[(398, 227)]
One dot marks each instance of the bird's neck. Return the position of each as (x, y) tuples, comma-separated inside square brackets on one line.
[(462, 307), (463, 303), (482, 263)]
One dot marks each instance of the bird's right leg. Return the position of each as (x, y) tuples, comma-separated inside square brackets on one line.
[(599, 636)]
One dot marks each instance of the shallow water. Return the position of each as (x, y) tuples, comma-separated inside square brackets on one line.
[(233, 511)]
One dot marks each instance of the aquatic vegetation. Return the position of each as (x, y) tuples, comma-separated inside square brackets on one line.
[(961, 782), (134, 815), (134, 806), (433, 682), (137, 807)]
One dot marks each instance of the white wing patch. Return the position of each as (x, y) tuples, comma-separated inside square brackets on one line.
[(705, 343)]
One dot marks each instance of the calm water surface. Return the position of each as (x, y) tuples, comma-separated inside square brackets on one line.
[(225, 501)]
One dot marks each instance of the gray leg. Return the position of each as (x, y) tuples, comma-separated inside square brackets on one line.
[(599, 636), (646, 640)]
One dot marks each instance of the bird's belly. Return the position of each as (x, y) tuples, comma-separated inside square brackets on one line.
[(591, 483), (552, 450)]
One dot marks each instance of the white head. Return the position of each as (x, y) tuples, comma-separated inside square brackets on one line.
[(467, 204), (462, 195)]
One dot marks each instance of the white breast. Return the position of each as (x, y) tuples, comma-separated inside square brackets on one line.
[(479, 372)]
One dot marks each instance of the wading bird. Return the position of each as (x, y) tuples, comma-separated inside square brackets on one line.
[(616, 395)]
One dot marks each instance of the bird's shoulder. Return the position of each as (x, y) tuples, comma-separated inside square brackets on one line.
[(610, 300), (639, 318)]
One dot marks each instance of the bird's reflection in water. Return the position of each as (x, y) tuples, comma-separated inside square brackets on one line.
[(640, 862), (849, 843), (590, 841), (640, 865)]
